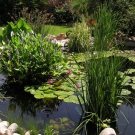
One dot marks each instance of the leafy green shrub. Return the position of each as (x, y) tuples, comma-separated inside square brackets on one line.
[(79, 37), (37, 19), (30, 58), (125, 11), (11, 29)]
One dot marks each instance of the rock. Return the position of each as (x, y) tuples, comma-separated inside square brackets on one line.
[(108, 131), (15, 134), (27, 133), (3, 130), (61, 36), (13, 127), (4, 123), (8, 132)]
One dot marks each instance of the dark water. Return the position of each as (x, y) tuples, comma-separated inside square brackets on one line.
[(27, 107), (124, 127), (24, 106)]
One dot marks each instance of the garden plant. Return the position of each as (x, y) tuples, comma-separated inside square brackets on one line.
[(28, 57)]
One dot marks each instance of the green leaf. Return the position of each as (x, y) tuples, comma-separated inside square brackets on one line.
[(38, 96), (125, 92), (20, 23), (51, 95), (65, 93)]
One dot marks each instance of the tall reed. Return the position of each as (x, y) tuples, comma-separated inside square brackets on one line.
[(102, 91), (103, 82), (105, 28)]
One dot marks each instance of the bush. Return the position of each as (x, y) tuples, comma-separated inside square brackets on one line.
[(30, 58), (11, 28), (125, 11), (79, 37)]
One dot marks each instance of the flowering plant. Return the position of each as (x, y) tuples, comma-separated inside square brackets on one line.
[(30, 58)]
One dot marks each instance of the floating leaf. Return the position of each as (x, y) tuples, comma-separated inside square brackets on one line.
[(125, 92), (64, 119), (38, 96), (119, 102), (28, 89), (130, 71), (133, 87), (51, 95), (65, 93)]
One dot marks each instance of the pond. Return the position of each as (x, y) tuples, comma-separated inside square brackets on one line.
[(24, 105)]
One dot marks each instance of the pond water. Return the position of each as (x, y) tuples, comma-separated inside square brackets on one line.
[(24, 105)]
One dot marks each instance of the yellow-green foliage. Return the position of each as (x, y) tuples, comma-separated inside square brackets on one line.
[(79, 37)]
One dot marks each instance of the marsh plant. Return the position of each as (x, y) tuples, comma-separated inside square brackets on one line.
[(10, 29), (79, 37), (101, 91), (104, 29), (30, 58)]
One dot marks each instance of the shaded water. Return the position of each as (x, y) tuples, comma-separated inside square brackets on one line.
[(24, 105)]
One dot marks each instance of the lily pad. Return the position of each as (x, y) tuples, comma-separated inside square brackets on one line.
[(38, 96), (59, 93), (50, 95), (125, 92), (130, 71)]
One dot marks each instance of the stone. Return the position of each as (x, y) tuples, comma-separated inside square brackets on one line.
[(13, 127), (8, 132), (4, 123), (108, 131), (27, 133), (3, 130), (61, 36)]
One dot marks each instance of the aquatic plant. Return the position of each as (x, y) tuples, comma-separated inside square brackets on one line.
[(104, 89), (104, 28), (30, 58), (10, 29)]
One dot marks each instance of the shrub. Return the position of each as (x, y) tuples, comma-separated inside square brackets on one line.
[(125, 11), (11, 29), (30, 58), (79, 37)]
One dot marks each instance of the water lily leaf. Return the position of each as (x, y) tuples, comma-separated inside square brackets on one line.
[(65, 93), (34, 92), (58, 83), (38, 96), (44, 87), (62, 97), (28, 89), (67, 88), (64, 119), (48, 91), (51, 95), (130, 71), (72, 99), (119, 102), (127, 80), (133, 87), (125, 92)]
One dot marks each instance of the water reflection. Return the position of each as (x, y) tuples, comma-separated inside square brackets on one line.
[(25, 105)]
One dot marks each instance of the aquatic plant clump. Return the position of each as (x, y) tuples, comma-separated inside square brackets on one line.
[(104, 90), (30, 58)]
